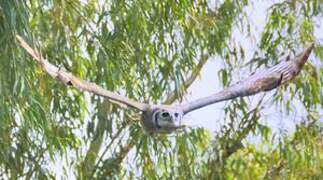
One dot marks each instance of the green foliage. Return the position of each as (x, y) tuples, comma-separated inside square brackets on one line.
[(149, 50), (297, 157)]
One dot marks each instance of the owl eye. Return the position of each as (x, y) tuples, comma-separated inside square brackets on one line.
[(165, 114), (176, 114)]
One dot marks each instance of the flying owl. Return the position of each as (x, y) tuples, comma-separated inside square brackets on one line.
[(168, 118)]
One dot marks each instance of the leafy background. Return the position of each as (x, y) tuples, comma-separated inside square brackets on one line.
[(153, 51)]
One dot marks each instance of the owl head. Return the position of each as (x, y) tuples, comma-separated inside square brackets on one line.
[(162, 120)]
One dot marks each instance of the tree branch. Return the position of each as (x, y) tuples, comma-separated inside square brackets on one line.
[(174, 95), (92, 153)]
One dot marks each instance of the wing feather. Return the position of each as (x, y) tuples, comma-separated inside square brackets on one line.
[(69, 79), (264, 80)]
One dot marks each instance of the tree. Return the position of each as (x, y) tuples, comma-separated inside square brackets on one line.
[(151, 51)]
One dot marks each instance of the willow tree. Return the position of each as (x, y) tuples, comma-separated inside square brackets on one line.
[(151, 51)]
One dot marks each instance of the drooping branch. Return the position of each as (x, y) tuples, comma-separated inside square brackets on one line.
[(174, 95), (69, 79), (98, 138)]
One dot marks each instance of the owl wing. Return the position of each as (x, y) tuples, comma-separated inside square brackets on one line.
[(69, 79), (264, 80)]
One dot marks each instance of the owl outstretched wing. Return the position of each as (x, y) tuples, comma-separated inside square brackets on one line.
[(264, 80), (70, 79)]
